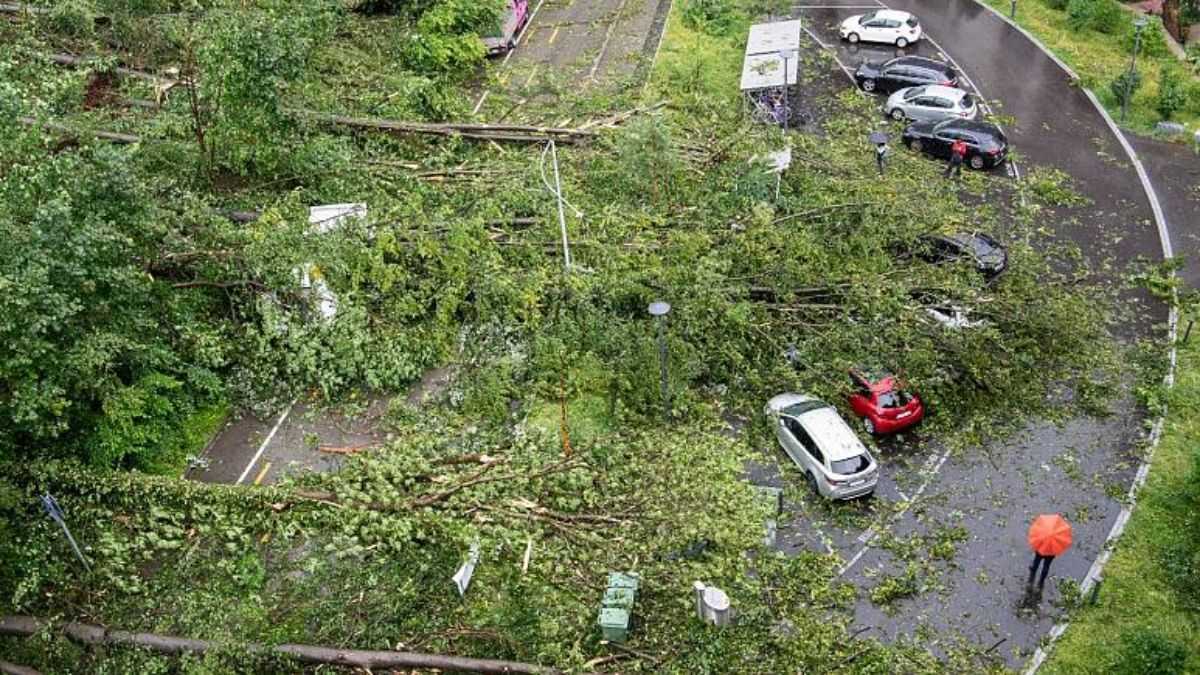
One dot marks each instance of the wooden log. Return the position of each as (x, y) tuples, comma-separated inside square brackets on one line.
[(110, 136), (77, 61), (19, 8), (88, 634), (501, 132), (13, 669)]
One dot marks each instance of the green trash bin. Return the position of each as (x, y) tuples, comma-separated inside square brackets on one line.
[(622, 580), (614, 624), (619, 598)]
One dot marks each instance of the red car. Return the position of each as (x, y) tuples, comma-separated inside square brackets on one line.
[(881, 401), (503, 37)]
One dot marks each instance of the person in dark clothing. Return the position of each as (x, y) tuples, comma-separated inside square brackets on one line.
[(958, 153), (881, 152), (1044, 561)]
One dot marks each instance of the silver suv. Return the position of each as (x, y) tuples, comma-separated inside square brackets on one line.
[(931, 103), (820, 442)]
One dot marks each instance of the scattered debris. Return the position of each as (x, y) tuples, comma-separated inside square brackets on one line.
[(462, 578)]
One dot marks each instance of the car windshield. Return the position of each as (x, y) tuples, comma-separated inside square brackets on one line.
[(981, 246), (913, 93), (802, 407), (912, 21), (894, 399), (853, 465), (866, 17), (966, 101)]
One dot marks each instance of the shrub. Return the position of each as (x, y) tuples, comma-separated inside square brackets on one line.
[(1099, 15), (1119, 85), (73, 18), (710, 16), (1154, 41), (1171, 95), (1056, 4), (1145, 650)]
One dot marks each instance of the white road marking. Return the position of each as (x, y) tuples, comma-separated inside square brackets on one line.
[(607, 37), (261, 448), (869, 535), (516, 42)]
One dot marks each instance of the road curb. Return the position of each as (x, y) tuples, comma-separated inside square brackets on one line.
[(1164, 237)]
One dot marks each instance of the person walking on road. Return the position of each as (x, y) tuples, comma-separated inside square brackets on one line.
[(1049, 537), (958, 154), (881, 153)]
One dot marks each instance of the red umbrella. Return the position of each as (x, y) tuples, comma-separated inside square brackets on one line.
[(1049, 535)]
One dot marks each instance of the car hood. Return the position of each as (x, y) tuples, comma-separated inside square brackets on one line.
[(781, 401), (851, 21)]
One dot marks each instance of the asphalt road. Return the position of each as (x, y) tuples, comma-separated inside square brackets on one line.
[(989, 494)]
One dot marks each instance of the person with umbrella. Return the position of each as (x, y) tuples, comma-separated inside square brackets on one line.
[(1049, 536), (958, 154), (881, 149)]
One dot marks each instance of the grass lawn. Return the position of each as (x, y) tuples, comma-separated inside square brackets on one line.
[(1151, 592), (1099, 58)]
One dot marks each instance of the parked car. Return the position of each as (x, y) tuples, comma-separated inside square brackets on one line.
[(503, 37), (882, 402), (836, 464), (933, 102), (903, 72), (886, 25), (988, 256), (987, 146)]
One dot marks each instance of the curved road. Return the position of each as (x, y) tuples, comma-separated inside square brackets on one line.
[(1080, 469)]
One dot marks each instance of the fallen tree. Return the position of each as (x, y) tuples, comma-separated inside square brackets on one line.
[(110, 136), (494, 132), (92, 635)]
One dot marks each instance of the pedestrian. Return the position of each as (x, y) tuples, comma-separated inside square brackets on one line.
[(1049, 536), (881, 153), (958, 153)]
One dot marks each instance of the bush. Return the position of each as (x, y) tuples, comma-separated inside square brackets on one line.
[(73, 18), (1118, 85), (1171, 95), (1154, 38), (714, 17), (1104, 16), (1145, 650), (1056, 4)]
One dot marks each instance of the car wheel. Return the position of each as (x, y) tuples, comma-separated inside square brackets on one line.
[(917, 145), (852, 38), (897, 114), (869, 426), (812, 483), (868, 85), (976, 162), (901, 43)]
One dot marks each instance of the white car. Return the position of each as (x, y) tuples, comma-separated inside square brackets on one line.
[(836, 464), (886, 25), (931, 103)]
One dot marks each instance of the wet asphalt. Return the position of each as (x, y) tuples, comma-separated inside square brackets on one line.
[(983, 498), (1174, 169)]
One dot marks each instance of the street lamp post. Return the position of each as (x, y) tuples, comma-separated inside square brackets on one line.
[(785, 54), (659, 311), (1137, 42), (1012, 14)]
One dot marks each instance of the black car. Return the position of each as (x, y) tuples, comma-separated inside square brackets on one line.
[(988, 256), (904, 71), (986, 144)]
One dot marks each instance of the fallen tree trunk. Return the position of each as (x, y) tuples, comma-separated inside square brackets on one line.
[(497, 132), (13, 669), (76, 61), (18, 8), (110, 136), (88, 634)]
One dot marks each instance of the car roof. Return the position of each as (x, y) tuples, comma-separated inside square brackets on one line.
[(971, 125), (892, 14), (952, 93), (831, 433), (919, 61)]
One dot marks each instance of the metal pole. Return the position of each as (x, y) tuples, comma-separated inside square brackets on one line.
[(1013, 12), (786, 111), (50, 504), (1137, 42), (562, 218), (662, 360)]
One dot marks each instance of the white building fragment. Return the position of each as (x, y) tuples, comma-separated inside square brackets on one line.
[(325, 219)]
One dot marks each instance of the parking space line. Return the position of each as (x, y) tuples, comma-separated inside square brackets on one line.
[(516, 41), (529, 80), (554, 35), (870, 533), (607, 37), (262, 474), (479, 105), (267, 441)]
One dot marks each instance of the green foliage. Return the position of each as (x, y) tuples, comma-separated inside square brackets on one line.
[(446, 40), (75, 18), (1056, 4), (715, 17), (1144, 650), (1104, 16), (1125, 85), (1171, 94), (140, 422), (1153, 40)]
